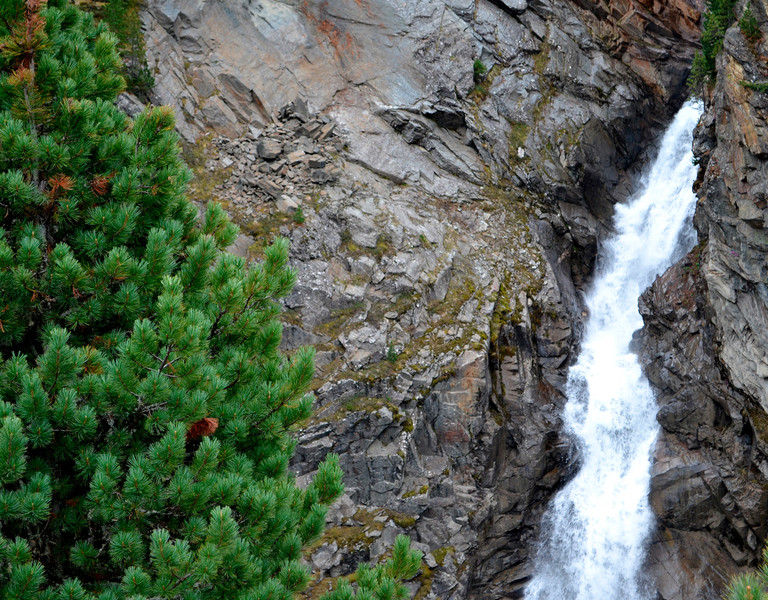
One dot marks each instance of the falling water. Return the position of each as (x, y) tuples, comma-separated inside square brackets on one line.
[(595, 532)]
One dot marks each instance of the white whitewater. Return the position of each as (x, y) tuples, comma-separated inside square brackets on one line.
[(595, 532)]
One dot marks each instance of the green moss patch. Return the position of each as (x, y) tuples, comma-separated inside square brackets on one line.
[(441, 553), (419, 492), (204, 183)]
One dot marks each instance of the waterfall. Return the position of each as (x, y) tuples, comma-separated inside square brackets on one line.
[(595, 532)]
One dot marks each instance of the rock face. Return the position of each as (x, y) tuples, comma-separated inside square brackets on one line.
[(732, 217), (708, 483), (449, 220), (645, 34), (705, 343)]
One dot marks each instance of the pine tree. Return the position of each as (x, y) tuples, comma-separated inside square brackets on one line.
[(145, 409)]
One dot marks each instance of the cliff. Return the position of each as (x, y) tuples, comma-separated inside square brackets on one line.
[(705, 343), (449, 220)]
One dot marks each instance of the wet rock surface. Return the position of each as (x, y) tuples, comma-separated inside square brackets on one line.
[(442, 221)]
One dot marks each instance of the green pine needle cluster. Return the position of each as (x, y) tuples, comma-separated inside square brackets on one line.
[(145, 409), (383, 581)]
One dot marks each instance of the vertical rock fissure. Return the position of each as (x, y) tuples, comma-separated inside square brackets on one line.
[(595, 532)]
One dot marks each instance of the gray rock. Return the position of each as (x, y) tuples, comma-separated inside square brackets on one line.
[(362, 229), (286, 204), (129, 104), (515, 6), (270, 187), (705, 345), (203, 82), (296, 157), (326, 556), (269, 149), (220, 116), (311, 129), (241, 245), (316, 162)]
